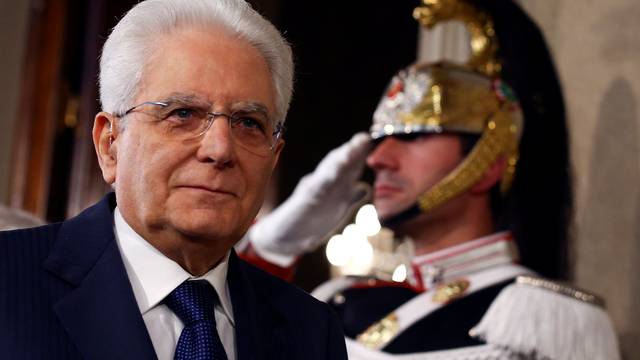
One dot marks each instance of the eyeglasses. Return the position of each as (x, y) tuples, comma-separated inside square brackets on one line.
[(188, 119)]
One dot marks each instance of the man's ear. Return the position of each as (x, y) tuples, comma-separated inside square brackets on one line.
[(105, 133), (277, 152), (491, 176)]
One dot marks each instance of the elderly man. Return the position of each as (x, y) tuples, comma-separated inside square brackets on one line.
[(475, 174), (194, 94)]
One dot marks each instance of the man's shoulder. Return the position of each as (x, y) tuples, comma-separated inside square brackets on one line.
[(30, 251), (47, 234), (24, 251), (278, 290), (289, 301), (35, 238), (310, 327)]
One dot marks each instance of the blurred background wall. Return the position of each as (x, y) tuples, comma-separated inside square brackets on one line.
[(345, 54), (597, 52), (13, 26)]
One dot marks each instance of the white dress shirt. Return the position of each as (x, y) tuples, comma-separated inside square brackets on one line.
[(153, 276)]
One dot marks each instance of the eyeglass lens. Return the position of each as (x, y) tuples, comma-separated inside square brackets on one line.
[(248, 123)]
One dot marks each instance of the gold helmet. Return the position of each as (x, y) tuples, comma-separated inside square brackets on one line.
[(461, 99)]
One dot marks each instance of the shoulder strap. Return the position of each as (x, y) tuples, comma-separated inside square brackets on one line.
[(326, 290), (378, 335)]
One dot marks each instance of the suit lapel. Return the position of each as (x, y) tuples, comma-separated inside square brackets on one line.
[(100, 314), (260, 328)]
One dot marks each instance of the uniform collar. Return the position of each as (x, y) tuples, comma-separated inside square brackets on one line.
[(460, 260), (153, 276)]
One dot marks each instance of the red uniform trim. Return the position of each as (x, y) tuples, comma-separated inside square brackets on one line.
[(463, 249), (251, 256)]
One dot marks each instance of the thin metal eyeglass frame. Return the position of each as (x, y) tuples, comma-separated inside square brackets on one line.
[(276, 134)]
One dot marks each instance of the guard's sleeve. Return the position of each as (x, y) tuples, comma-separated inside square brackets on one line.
[(250, 255)]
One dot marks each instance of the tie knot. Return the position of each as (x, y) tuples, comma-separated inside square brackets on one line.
[(193, 301)]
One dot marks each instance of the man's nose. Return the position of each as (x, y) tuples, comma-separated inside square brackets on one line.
[(217, 144), (385, 154)]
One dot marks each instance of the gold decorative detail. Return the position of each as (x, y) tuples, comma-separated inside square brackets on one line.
[(448, 98), (559, 288), (495, 141), (456, 100), (498, 139), (451, 290), (380, 333), (484, 44)]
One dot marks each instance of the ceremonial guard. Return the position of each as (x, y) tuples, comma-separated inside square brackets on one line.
[(471, 164)]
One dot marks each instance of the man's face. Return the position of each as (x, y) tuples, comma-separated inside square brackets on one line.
[(208, 187), (405, 168)]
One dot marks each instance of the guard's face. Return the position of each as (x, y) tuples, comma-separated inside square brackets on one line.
[(407, 168), (208, 188)]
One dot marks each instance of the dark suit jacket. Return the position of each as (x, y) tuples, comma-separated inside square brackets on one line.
[(65, 294)]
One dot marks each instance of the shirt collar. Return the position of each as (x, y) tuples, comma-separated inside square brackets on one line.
[(153, 276), (460, 260)]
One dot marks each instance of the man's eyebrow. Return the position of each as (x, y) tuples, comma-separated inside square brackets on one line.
[(240, 106), (186, 99), (246, 106), (250, 106)]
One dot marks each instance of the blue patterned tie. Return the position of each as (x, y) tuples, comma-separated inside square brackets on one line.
[(193, 302)]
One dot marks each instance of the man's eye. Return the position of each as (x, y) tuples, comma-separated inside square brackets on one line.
[(248, 122), (182, 114)]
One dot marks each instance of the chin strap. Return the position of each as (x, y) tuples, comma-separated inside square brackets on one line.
[(500, 138), (395, 220)]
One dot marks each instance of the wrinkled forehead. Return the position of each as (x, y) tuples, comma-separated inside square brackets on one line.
[(199, 66), (438, 98)]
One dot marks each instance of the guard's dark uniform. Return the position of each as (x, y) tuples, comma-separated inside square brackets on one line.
[(478, 288)]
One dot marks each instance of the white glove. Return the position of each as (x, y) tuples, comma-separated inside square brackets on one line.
[(319, 204)]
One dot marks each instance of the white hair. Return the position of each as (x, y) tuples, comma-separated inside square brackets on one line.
[(131, 43)]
